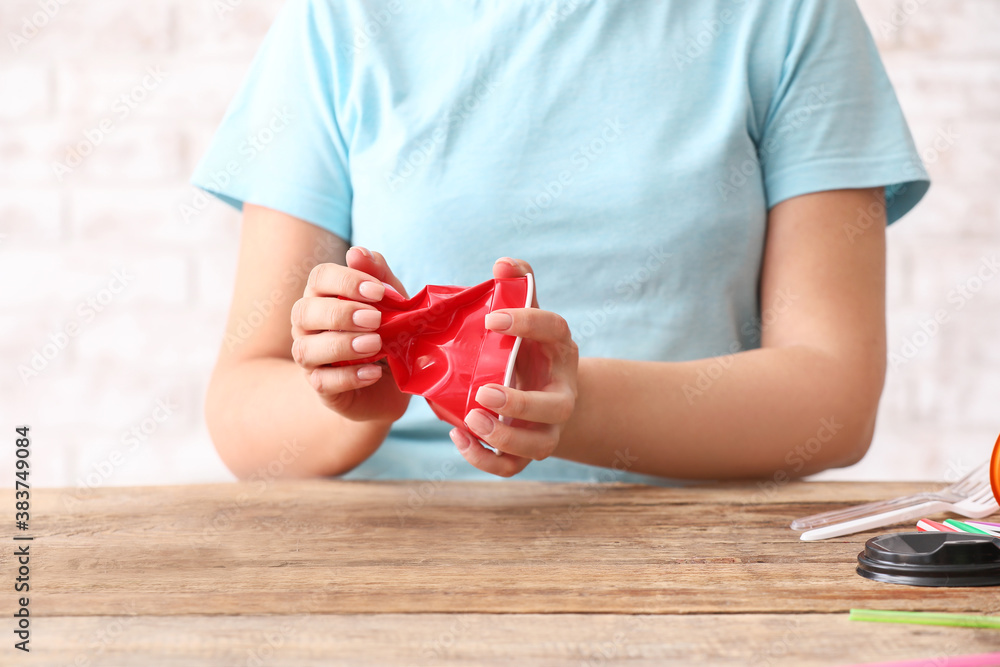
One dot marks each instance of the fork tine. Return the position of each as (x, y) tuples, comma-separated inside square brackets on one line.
[(971, 481), (983, 495)]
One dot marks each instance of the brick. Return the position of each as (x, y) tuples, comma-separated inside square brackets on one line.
[(191, 460), (160, 88), (37, 273), (87, 29), (203, 30), (172, 341), (876, 13), (135, 152), (935, 88), (963, 178), (86, 280), (952, 27), (30, 215), (149, 216), (27, 91), (28, 151), (946, 266), (959, 396)]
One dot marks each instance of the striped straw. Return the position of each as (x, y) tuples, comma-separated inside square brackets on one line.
[(963, 527), (928, 526)]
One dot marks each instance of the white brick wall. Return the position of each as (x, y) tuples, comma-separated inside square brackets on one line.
[(94, 404)]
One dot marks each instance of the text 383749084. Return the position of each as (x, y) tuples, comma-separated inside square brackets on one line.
[(22, 556)]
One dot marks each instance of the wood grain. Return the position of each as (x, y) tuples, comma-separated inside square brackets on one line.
[(334, 547), (496, 640)]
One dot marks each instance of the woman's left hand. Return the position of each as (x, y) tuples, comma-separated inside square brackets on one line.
[(539, 409)]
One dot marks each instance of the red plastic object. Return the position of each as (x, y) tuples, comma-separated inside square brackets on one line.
[(438, 347)]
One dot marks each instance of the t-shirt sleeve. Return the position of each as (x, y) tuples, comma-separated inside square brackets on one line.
[(279, 144), (834, 121)]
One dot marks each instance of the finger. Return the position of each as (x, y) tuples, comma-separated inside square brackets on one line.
[(552, 406), (374, 264), (535, 441), (506, 267), (335, 280), (317, 313), (543, 326), (329, 382), (482, 458), (331, 347)]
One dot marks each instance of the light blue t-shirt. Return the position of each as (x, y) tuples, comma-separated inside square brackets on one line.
[(628, 149)]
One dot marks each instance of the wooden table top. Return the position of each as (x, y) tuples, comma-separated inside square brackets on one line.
[(357, 573)]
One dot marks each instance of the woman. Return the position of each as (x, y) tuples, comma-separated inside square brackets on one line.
[(701, 190)]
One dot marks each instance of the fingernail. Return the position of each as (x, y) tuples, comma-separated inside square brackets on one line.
[(479, 423), (499, 321), (367, 319), (364, 251), (371, 372), (460, 439), (373, 291), (488, 397), (367, 344), (508, 260)]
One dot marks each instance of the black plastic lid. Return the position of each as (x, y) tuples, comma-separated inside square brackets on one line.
[(932, 559)]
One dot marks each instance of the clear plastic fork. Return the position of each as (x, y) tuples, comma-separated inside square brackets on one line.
[(971, 497)]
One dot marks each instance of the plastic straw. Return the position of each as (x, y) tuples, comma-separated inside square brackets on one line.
[(990, 528), (928, 526), (966, 528), (926, 618)]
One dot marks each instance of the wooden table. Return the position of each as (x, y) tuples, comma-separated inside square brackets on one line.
[(506, 573)]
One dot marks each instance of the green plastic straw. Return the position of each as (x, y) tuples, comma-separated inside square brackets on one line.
[(966, 528), (926, 618)]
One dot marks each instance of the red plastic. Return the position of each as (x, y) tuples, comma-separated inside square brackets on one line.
[(438, 347)]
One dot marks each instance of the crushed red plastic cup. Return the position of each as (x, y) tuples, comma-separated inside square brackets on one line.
[(437, 344)]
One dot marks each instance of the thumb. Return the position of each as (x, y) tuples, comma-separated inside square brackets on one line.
[(505, 267), (374, 264)]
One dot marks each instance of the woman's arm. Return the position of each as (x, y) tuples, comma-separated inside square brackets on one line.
[(804, 402), (261, 409)]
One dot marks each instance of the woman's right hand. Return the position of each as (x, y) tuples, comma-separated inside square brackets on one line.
[(327, 330)]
